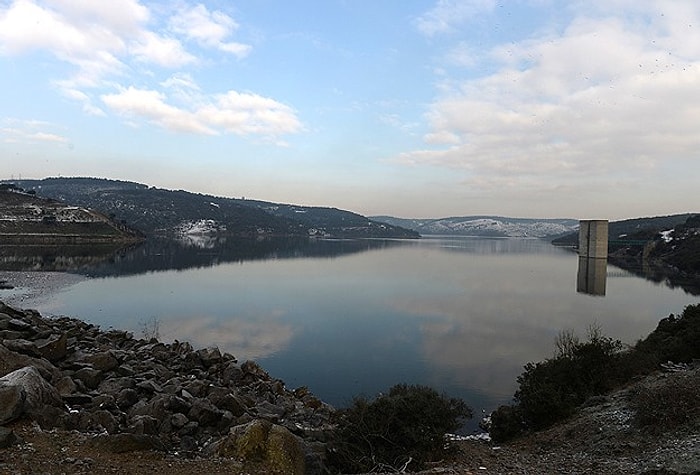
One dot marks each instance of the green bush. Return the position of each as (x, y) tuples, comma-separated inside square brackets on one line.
[(550, 391), (404, 428), (506, 423), (675, 338)]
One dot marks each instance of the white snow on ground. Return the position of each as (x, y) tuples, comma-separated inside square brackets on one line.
[(478, 226), (201, 233), (200, 227), (666, 235)]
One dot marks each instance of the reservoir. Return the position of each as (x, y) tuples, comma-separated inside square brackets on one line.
[(460, 314)]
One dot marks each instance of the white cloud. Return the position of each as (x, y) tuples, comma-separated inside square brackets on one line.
[(209, 29), (120, 41), (233, 112), (151, 105), (29, 132), (446, 15), (150, 47), (613, 97)]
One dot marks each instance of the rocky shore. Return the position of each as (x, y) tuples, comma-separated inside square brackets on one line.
[(75, 399), (133, 395)]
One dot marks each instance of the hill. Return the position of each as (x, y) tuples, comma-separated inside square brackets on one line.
[(25, 218), (156, 211), (631, 229), (486, 226)]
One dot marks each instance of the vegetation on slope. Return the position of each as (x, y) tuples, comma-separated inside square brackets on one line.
[(159, 211), (551, 390), (25, 217)]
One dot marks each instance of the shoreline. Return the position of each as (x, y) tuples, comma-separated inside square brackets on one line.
[(30, 287)]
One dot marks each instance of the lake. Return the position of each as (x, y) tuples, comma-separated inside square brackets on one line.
[(347, 317)]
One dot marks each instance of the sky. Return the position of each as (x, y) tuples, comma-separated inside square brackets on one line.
[(411, 108)]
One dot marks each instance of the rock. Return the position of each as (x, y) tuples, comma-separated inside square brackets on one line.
[(7, 438), (263, 443), (127, 398), (204, 412), (65, 386), (11, 403), (120, 443), (144, 425), (22, 346), (38, 392), (90, 377), (115, 386), (54, 349), (10, 361), (103, 361), (21, 325)]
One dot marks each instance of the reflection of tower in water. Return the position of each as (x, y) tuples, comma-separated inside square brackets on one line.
[(593, 257)]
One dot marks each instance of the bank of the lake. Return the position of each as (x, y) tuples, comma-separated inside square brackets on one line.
[(104, 402), (349, 317)]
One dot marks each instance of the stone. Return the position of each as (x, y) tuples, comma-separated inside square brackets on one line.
[(11, 403), (262, 443), (115, 386), (127, 398), (8, 438), (103, 361), (38, 391), (21, 325), (10, 361), (144, 425), (65, 386), (90, 377), (204, 412), (54, 349), (22, 346)]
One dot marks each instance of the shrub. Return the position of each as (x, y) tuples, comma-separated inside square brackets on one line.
[(668, 403), (405, 426), (506, 423), (551, 390), (675, 338)]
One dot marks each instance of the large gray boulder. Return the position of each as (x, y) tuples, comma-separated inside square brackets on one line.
[(263, 444), (11, 403), (38, 392)]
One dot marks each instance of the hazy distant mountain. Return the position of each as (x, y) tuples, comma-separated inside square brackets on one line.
[(486, 226), (159, 211)]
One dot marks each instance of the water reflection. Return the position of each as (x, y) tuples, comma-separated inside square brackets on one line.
[(348, 317), (592, 275), (60, 258)]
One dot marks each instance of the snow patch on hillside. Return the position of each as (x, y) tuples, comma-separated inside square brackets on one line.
[(202, 233)]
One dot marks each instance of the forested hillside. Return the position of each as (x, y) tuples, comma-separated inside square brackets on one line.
[(166, 212)]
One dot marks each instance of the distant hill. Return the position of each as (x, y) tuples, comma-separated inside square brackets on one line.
[(631, 229), (25, 218), (486, 226), (156, 211)]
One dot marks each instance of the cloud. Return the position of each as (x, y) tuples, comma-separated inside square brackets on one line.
[(446, 15), (232, 112), (29, 132), (611, 98), (118, 42), (209, 29), (151, 105), (163, 51)]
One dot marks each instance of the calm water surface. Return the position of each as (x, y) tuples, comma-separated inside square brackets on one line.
[(343, 318)]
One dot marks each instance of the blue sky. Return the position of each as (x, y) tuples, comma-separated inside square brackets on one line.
[(531, 108)]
